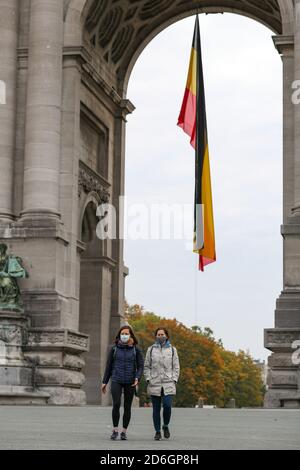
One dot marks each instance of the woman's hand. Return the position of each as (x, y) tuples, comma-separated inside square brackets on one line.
[(103, 388), (136, 382)]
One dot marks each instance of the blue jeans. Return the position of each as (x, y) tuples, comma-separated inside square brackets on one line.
[(166, 401)]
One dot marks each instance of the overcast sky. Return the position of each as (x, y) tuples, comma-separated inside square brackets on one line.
[(235, 296)]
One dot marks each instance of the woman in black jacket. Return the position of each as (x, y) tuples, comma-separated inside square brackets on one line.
[(125, 365)]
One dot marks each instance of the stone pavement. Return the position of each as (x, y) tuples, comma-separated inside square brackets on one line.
[(54, 428)]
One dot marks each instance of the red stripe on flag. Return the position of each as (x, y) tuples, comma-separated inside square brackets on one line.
[(205, 261), (187, 117)]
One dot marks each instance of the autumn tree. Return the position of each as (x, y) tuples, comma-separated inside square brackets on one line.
[(208, 371)]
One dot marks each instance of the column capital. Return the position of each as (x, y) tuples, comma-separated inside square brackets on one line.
[(80, 54), (284, 44), (126, 108)]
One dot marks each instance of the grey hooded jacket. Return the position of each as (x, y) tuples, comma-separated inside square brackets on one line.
[(162, 369)]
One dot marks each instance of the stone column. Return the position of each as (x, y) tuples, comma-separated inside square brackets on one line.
[(291, 227), (285, 47), (120, 272), (24, 14), (296, 209), (283, 375), (43, 112), (70, 153), (8, 76)]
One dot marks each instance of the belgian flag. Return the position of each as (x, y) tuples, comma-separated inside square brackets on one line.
[(192, 120)]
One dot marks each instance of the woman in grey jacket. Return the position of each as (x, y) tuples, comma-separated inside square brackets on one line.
[(162, 373)]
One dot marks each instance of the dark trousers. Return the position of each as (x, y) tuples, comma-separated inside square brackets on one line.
[(116, 391), (157, 402)]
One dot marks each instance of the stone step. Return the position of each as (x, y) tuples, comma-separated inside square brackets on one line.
[(290, 403), (22, 396)]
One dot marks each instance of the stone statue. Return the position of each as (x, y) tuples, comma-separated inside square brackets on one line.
[(11, 269)]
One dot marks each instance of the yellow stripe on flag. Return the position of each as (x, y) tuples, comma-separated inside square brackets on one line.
[(192, 75), (209, 250)]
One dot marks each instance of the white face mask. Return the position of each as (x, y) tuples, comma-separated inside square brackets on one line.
[(125, 338)]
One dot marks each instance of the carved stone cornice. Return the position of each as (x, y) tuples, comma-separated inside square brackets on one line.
[(281, 339), (39, 338), (89, 181), (93, 80)]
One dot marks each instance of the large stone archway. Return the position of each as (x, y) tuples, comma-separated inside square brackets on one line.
[(66, 67)]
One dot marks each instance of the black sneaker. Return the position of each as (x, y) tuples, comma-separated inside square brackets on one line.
[(114, 436), (123, 436), (157, 436), (166, 432)]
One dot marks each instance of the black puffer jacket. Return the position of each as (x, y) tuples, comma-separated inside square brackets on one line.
[(124, 364)]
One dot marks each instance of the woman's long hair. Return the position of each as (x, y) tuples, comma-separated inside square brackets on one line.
[(127, 327)]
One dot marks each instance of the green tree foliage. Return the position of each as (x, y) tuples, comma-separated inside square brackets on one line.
[(208, 371)]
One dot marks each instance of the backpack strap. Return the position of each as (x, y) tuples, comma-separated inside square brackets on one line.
[(135, 358), (151, 351), (173, 353)]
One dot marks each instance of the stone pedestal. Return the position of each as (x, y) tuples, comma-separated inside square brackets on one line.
[(283, 340), (57, 355), (283, 379), (16, 373)]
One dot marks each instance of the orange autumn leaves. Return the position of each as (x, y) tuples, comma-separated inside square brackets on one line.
[(208, 371)]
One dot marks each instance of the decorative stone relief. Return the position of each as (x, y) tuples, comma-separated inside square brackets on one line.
[(46, 337), (58, 338), (12, 334), (283, 338), (89, 182)]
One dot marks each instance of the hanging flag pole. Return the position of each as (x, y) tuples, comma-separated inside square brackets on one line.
[(193, 121)]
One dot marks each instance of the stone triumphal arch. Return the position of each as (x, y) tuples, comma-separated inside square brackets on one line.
[(65, 66)]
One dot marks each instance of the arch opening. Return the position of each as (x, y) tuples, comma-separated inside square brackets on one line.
[(228, 137)]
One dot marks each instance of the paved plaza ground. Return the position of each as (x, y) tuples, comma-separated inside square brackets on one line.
[(89, 427), (54, 428)]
